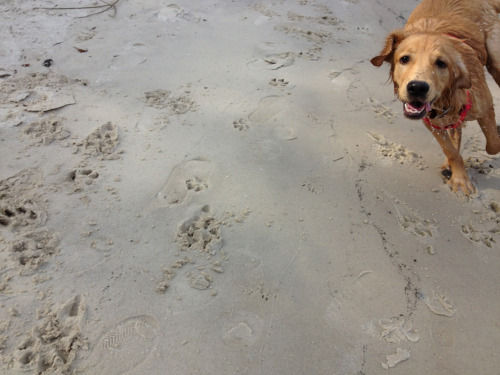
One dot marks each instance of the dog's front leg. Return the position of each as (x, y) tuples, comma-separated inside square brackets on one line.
[(459, 179), (456, 137)]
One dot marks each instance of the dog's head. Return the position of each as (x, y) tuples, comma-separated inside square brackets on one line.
[(424, 68)]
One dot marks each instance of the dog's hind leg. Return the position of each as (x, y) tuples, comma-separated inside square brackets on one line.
[(487, 122), (493, 48), (490, 130)]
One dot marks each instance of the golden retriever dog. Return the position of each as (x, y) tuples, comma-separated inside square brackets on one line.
[(437, 66)]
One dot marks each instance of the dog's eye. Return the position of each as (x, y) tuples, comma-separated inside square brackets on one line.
[(440, 64), (404, 60)]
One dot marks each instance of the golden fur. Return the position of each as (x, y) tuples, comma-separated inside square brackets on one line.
[(435, 60)]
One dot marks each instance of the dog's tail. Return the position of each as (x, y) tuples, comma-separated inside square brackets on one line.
[(495, 4)]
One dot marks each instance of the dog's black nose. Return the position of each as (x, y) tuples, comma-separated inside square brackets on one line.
[(417, 88)]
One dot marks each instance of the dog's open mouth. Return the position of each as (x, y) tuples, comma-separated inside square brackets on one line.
[(416, 110)]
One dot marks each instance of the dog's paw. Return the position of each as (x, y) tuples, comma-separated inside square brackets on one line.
[(461, 183), (457, 178)]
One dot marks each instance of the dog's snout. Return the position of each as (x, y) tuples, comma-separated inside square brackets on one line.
[(417, 88)]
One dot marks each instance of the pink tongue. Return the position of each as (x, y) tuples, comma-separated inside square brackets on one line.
[(427, 107)]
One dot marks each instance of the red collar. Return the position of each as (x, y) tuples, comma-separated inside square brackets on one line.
[(463, 114)]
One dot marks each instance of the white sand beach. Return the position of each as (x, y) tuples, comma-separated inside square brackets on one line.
[(230, 187)]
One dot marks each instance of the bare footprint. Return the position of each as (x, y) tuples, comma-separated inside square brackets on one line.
[(285, 133), (246, 271), (266, 149), (268, 108)]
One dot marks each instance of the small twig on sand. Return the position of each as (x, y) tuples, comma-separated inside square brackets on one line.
[(106, 6)]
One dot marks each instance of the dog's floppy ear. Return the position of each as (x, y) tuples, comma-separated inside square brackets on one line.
[(387, 54), (461, 74)]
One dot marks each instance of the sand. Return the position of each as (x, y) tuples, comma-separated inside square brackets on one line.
[(219, 187)]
